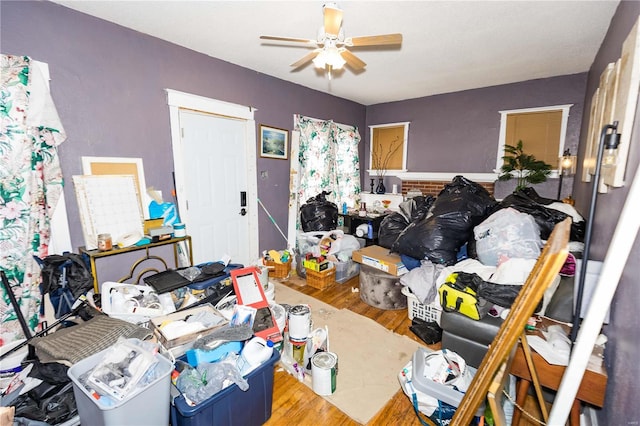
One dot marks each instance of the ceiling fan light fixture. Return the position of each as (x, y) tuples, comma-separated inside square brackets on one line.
[(329, 56)]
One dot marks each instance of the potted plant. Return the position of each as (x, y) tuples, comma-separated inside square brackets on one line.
[(522, 166)]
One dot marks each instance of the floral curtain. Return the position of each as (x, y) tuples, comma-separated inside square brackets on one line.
[(329, 160), (30, 186)]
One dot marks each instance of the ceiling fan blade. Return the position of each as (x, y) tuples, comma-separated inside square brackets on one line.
[(378, 40), (294, 40), (332, 19), (352, 60), (306, 58)]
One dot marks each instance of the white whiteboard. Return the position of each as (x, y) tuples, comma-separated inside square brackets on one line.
[(108, 204)]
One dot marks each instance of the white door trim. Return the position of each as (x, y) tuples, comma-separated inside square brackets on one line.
[(180, 100)]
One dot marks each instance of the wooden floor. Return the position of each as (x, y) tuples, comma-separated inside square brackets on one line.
[(296, 404)]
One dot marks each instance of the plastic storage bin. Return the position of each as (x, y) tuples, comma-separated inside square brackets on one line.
[(232, 406), (346, 270), (129, 411), (437, 390)]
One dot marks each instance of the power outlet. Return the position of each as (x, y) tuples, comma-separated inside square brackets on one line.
[(264, 175)]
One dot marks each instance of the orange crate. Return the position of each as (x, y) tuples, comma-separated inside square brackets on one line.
[(278, 270), (321, 280)]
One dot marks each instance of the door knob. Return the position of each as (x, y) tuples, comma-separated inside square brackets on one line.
[(243, 211)]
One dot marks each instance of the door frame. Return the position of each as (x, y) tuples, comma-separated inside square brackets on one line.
[(180, 100)]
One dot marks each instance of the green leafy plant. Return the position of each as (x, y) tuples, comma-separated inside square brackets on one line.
[(522, 166)]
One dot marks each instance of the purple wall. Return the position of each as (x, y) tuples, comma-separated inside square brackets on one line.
[(621, 357), (470, 122), (108, 85)]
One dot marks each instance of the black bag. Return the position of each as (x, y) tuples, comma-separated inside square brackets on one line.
[(318, 214), (65, 277), (459, 207)]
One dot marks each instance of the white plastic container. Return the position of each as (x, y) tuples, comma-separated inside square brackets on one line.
[(255, 352), (179, 230)]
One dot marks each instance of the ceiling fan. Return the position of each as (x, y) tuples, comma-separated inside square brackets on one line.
[(331, 47)]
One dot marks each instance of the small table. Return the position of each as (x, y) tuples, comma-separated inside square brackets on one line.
[(96, 254), (592, 388)]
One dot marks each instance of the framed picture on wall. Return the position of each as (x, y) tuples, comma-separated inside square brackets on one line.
[(274, 142)]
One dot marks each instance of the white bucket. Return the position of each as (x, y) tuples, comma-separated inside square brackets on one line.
[(324, 372), (280, 315), (299, 323)]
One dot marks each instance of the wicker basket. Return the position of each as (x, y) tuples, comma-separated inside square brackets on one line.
[(278, 270), (430, 312), (321, 280)]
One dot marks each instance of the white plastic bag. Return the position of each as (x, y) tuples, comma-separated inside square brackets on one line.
[(505, 234)]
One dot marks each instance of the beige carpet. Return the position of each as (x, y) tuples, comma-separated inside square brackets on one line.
[(369, 356)]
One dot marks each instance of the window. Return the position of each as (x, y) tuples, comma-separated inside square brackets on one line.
[(541, 130), (388, 148)]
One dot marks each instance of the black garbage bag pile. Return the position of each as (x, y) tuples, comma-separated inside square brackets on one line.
[(528, 201), (459, 207), (319, 214), (392, 225), (52, 401)]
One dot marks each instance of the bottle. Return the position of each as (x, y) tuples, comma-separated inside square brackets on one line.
[(104, 242), (255, 352), (363, 210)]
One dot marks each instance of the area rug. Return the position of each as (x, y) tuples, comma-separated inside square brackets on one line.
[(369, 356)]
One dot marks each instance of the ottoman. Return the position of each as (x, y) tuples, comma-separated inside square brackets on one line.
[(381, 290)]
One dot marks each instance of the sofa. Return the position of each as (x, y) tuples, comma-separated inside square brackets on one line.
[(470, 338)]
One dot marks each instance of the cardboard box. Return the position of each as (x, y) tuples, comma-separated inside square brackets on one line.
[(315, 266), (380, 258)]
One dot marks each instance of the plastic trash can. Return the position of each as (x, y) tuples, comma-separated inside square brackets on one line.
[(145, 406)]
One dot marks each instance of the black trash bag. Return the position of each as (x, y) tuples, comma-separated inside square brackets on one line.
[(393, 224), (459, 207), (464, 195), (318, 214), (417, 208), (428, 331), (390, 228), (545, 217), (497, 294), (52, 403), (436, 238), (531, 193)]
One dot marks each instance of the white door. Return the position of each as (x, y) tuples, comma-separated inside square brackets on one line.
[(214, 160)]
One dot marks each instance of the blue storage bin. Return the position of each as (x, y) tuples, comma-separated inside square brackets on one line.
[(232, 406), (201, 285)]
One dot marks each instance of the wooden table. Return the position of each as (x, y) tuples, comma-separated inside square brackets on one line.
[(591, 390)]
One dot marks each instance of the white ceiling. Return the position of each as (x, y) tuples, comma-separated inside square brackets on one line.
[(447, 46)]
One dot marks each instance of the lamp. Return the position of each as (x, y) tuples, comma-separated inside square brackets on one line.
[(329, 56), (566, 166), (608, 144)]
